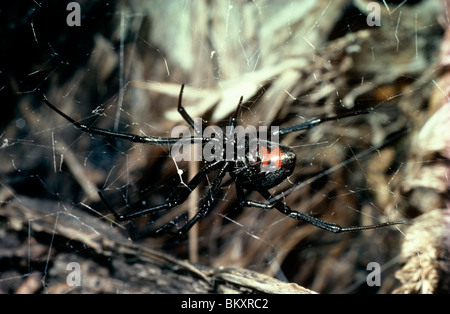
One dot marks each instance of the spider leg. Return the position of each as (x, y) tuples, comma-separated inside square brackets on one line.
[(283, 208), (249, 203), (316, 121), (151, 140), (177, 197), (182, 111), (206, 204), (328, 226), (287, 211), (233, 119)]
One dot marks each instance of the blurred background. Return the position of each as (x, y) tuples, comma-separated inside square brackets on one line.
[(122, 70)]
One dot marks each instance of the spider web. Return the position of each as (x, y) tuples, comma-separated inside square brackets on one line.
[(291, 61)]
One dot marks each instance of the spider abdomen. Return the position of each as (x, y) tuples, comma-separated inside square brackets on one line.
[(273, 164)]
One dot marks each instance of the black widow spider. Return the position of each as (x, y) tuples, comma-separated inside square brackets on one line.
[(246, 173)]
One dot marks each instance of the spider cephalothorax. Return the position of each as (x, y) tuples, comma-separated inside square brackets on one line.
[(263, 165)]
